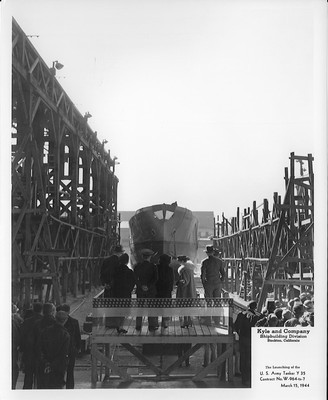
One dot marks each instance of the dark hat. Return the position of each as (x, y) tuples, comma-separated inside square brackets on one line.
[(278, 312), (165, 258), (298, 308), (252, 304), (61, 317), (147, 252), (209, 249), (183, 258), (118, 249)]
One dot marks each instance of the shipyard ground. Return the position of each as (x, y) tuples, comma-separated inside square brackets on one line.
[(83, 378)]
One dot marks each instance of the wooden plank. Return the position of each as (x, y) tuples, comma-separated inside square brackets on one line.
[(198, 329), (289, 282)]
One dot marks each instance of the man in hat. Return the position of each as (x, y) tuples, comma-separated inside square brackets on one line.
[(243, 327), (28, 346), (54, 349), (73, 328), (146, 277), (47, 320), (109, 268), (212, 274)]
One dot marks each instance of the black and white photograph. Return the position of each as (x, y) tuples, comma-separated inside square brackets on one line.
[(164, 198)]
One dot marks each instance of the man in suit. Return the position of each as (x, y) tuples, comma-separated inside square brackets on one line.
[(243, 326), (54, 349), (108, 270), (40, 325), (73, 328), (146, 277), (212, 273), (28, 344)]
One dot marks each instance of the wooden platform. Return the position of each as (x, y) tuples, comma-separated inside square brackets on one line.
[(211, 324), (199, 331)]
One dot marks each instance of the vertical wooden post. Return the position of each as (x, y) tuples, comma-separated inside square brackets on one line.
[(94, 374), (65, 281)]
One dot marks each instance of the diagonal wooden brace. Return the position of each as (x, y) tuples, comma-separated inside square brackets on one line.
[(202, 374), (181, 359), (142, 358), (98, 355)]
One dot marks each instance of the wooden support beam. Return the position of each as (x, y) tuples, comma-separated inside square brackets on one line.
[(290, 281), (97, 355)]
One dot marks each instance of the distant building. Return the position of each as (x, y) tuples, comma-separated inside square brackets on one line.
[(125, 230), (205, 231)]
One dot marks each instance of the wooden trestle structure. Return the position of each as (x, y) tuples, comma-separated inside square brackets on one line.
[(266, 252), (64, 188)]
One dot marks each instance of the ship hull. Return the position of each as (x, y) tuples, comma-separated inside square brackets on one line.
[(165, 229)]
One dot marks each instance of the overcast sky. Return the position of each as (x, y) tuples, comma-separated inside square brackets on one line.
[(202, 101)]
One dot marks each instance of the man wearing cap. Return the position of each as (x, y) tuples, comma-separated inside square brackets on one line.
[(243, 327), (109, 268), (54, 349), (212, 274), (146, 277)]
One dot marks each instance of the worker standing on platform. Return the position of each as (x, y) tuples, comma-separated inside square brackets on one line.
[(212, 277), (212, 274), (146, 277), (186, 284), (123, 284), (164, 285), (108, 269)]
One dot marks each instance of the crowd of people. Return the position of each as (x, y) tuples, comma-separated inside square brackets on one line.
[(45, 343), (297, 311)]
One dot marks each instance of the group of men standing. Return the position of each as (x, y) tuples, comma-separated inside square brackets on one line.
[(48, 339), (158, 280), (119, 280)]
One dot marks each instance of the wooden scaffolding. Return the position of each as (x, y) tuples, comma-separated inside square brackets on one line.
[(64, 188), (266, 252)]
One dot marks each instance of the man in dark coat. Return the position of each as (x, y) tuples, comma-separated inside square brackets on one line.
[(146, 277), (73, 328), (164, 285), (123, 283), (212, 274), (54, 349), (28, 346), (243, 326), (40, 325), (108, 270)]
